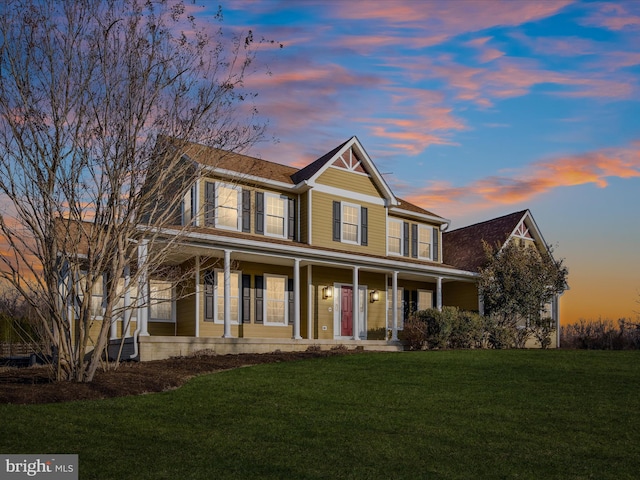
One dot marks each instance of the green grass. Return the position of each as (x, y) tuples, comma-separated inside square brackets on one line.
[(449, 414)]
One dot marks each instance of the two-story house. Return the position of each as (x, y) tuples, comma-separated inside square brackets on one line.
[(286, 258)]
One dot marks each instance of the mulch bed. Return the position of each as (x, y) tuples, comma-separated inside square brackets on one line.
[(34, 384)]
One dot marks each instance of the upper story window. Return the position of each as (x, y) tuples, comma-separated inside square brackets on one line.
[(412, 239), (222, 208), (350, 223), (276, 215), (424, 242), (394, 237), (188, 207), (227, 205)]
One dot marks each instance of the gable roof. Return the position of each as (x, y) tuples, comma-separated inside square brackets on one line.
[(463, 247), (314, 167), (258, 170)]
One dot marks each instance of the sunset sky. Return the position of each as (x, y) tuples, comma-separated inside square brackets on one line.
[(474, 109)]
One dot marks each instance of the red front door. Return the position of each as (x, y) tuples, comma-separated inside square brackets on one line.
[(346, 312)]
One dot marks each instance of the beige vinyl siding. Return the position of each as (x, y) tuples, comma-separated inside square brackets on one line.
[(322, 226), (348, 181), (253, 190), (162, 328), (460, 294), (186, 310), (250, 330)]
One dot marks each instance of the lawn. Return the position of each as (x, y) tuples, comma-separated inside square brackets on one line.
[(446, 414)]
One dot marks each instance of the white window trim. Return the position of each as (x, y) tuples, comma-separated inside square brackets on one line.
[(430, 230), (399, 306), (266, 300), (219, 290), (358, 223), (173, 305), (285, 218), (220, 205), (394, 220)]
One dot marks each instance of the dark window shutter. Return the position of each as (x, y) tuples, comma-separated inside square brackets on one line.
[(246, 210), (260, 212), (290, 290), (406, 302), (414, 240), (364, 225), (209, 204), (291, 227), (246, 298), (436, 244), (405, 239), (336, 221), (209, 297), (259, 291)]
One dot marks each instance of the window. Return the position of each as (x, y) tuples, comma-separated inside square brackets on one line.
[(276, 215), (275, 302), (97, 294), (227, 203), (350, 223), (222, 206), (425, 299), (234, 296), (424, 241), (394, 237), (188, 206), (161, 301), (399, 308)]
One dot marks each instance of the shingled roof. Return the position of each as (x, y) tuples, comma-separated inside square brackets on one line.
[(246, 165), (463, 247)]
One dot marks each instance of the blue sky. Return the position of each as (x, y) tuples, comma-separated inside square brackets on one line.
[(473, 109)]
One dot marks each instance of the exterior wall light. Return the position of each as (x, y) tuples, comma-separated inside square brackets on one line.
[(375, 296), (327, 292)]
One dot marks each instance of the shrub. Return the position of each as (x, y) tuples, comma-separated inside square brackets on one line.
[(601, 335), (414, 333)]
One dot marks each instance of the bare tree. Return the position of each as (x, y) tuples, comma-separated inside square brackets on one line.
[(99, 101)]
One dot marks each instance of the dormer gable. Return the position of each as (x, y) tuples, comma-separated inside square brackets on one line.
[(349, 157)]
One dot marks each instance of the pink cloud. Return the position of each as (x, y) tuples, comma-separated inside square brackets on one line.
[(540, 177), (615, 16), (446, 17)]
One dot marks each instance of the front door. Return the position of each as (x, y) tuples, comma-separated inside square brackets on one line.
[(346, 311)]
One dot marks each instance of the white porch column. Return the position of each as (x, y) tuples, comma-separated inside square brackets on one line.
[(480, 303), (227, 294), (143, 289), (309, 303), (126, 316), (439, 293), (356, 305), (296, 299), (197, 294), (394, 306)]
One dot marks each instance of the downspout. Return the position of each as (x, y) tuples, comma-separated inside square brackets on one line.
[(142, 297)]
